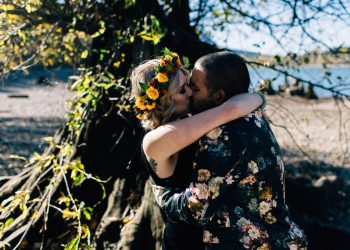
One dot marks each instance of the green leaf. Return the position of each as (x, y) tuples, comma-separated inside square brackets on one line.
[(78, 179), (8, 222), (110, 75), (167, 52), (217, 13), (103, 191), (105, 78), (186, 61), (129, 3), (73, 244), (143, 86), (87, 214)]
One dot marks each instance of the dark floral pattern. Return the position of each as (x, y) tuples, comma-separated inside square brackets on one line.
[(238, 190)]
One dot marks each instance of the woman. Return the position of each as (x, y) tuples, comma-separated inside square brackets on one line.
[(162, 100)]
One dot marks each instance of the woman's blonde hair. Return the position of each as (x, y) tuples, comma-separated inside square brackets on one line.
[(163, 111)]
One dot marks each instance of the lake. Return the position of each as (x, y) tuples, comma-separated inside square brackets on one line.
[(340, 75)]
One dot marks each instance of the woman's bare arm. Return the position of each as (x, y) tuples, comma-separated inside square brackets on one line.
[(163, 142)]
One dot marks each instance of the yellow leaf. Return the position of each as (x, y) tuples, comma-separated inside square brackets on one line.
[(67, 214), (126, 219), (85, 231), (84, 54), (116, 64), (34, 215)]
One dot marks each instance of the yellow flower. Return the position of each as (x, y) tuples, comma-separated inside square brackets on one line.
[(161, 77), (152, 93), (174, 54), (168, 58), (151, 106), (140, 103)]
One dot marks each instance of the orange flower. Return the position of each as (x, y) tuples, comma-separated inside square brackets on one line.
[(178, 63), (139, 116), (152, 93), (151, 106), (162, 62)]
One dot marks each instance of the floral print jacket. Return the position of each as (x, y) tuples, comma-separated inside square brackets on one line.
[(237, 192)]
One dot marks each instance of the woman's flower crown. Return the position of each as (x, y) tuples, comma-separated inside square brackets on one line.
[(158, 86)]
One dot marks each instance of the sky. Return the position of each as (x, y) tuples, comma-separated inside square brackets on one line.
[(242, 37)]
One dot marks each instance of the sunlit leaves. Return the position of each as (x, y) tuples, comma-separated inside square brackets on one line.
[(73, 244), (4, 226), (152, 30), (70, 214), (18, 200), (100, 31), (129, 3), (84, 54), (34, 34)]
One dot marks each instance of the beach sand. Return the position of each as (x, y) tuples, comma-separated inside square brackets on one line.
[(305, 129)]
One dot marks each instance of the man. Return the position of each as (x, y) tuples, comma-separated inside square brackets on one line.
[(237, 191)]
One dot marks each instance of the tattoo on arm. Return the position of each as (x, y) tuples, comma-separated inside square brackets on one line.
[(154, 165)]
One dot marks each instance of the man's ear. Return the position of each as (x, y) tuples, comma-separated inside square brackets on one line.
[(219, 96)]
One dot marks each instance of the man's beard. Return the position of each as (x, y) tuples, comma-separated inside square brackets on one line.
[(202, 106)]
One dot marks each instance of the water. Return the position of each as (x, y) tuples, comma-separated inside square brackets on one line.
[(339, 76)]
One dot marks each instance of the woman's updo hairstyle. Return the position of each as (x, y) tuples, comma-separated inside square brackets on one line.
[(165, 106)]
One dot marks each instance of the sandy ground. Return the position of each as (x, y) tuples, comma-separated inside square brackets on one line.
[(24, 121), (316, 128)]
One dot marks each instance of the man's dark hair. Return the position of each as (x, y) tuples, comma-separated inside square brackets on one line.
[(225, 70)]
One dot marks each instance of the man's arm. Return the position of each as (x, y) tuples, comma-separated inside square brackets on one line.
[(197, 204)]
